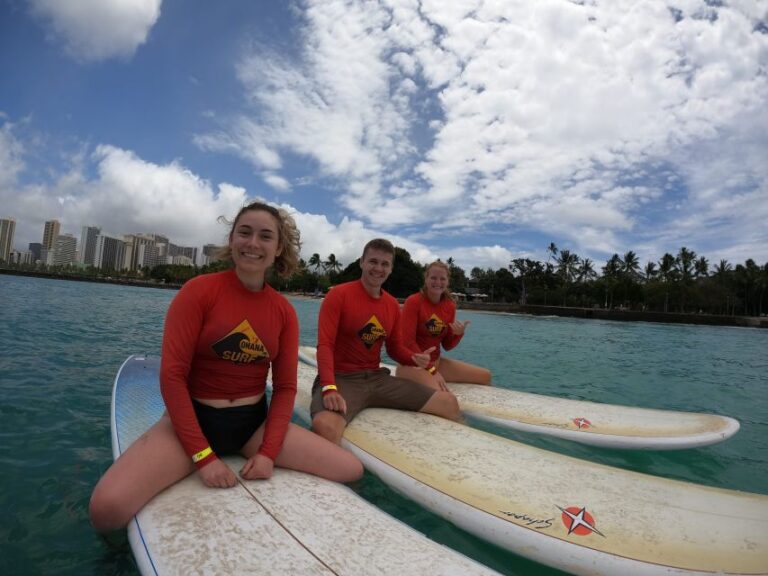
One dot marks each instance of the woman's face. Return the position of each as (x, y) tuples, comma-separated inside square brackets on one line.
[(436, 282), (255, 242)]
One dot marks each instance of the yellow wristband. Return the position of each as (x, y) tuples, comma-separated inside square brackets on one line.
[(432, 370), (202, 454), (329, 388)]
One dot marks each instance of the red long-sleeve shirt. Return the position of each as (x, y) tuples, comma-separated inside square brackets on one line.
[(351, 329), (426, 324), (218, 342)]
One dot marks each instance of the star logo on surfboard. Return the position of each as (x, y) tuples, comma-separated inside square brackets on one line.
[(581, 423), (579, 521)]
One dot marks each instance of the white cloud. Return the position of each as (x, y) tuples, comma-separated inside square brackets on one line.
[(94, 30), (551, 112)]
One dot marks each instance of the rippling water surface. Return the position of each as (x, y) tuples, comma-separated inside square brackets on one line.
[(62, 342)]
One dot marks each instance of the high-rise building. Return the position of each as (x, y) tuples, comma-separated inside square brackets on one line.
[(88, 237), (187, 251), (110, 253), (141, 251), (7, 230), (64, 250), (50, 233), (210, 252), (36, 249)]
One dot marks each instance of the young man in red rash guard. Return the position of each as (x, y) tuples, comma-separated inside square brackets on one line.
[(429, 321), (222, 333), (356, 319)]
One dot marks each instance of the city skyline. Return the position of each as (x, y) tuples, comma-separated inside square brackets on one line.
[(64, 248), (478, 131)]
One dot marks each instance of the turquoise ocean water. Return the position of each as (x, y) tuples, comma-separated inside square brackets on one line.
[(62, 342)]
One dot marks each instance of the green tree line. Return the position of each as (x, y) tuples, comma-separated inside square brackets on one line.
[(683, 282)]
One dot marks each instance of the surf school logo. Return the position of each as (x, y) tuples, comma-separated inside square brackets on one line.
[(582, 423), (434, 325), (372, 332), (241, 346), (579, 521)]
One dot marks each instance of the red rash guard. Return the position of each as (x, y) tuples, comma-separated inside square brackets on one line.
[(425, 324), (351, 329), (218, 343)]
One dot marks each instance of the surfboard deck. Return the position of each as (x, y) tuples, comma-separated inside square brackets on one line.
[(607, 425), (293, 523), (571, 514)]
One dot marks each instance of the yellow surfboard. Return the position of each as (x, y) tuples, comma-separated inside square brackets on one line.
[(571, 514)]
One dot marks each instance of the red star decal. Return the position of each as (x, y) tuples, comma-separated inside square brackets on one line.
[(579, 521), (582, 423)]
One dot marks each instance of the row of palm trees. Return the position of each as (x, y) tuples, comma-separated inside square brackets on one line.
[(683, 282)]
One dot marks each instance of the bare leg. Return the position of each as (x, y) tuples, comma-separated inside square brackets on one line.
[(329, 425), (308, 452), (458, 371), (152, 463)]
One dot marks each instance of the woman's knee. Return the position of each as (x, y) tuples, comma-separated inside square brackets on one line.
[(107, 510)]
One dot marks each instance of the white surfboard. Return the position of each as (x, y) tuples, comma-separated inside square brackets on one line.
[(293, 523), (607, 425), (571, 514)]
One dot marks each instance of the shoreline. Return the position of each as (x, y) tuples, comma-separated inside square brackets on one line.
[(497, 307)]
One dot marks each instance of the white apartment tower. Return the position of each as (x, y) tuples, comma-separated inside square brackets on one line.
[(64, 250)]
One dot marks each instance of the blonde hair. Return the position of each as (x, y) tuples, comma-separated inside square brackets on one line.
[(444, 266), (288, 242)]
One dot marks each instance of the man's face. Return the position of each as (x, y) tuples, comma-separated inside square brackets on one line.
[(376, 266)]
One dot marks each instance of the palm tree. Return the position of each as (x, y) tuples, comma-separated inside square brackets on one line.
[(332, 265), (566, 268), (585, 271), (701, 267), (611, 274), (552, 249), (722, 278), (650, 271), (667, 274), (630, 267), (315, 261), (684, 261)]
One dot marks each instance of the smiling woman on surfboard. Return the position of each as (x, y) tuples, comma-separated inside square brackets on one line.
[(429, 321), (223, 332)]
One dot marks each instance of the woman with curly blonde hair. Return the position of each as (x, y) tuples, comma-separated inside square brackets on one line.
[(223, 333)]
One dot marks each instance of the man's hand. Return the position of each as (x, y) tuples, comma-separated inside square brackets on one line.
[(334, 402)]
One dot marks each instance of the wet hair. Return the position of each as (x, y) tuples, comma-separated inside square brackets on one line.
[(379, 244), (444, 266), (288, 241)]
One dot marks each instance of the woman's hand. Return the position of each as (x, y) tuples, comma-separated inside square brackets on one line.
[(257, 467), (422, 359), (458, 327), (217, 475), (334, 402)]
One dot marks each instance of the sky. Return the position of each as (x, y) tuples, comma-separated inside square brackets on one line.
[(481, 131)]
